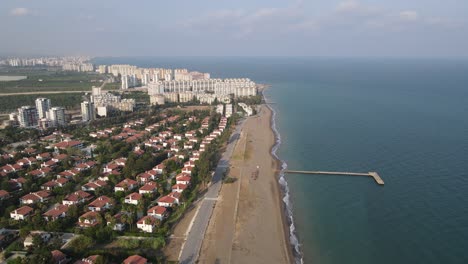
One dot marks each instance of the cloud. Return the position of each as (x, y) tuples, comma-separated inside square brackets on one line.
[(20, 11), (409, 15), (347, 5), (348, 16)]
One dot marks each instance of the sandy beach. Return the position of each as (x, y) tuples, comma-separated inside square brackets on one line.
[(248, 224)]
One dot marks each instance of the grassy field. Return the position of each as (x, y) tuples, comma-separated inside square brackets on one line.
[(50, 79)]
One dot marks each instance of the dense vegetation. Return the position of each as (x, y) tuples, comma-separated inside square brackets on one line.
[(12, 103)]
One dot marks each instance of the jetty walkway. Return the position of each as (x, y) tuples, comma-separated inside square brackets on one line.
[(374, 175)]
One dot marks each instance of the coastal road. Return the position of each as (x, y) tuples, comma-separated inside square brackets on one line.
[(191, 248)]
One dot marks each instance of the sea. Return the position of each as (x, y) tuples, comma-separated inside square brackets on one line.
[(405, 118)]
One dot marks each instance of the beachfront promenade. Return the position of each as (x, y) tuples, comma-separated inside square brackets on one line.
[(374, 175), (191, 248)]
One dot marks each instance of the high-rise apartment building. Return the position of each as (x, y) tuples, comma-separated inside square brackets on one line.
[(87, 111), (27, 116), (57, 116), (42, 106)]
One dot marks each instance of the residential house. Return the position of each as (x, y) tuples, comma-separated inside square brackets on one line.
[(159, 168), (101, 203), (125, 185), (21, 213), (135, 259), (119, 225), (93, 186), (148, 188), (179, 187), (133, 198), (147, 224), (183, 178), (68, 174), (89, 219), (35, 197), (77, 197), (89, 260), (4, 195), (159, 212), (166, 201), (59, 211), (69, 144), (58, 257)]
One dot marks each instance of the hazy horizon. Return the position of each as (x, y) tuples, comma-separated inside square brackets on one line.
[(346, 28)]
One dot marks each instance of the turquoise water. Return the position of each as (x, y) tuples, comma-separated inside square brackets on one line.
[(404, 118)]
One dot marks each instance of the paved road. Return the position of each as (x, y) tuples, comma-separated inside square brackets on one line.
[(192, 246)]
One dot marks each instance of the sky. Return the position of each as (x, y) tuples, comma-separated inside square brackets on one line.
[(395, 28)]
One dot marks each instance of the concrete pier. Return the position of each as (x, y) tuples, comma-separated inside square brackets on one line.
[(372, 174)]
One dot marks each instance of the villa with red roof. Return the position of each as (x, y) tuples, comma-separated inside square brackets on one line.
[(85, 166), (69, 144), (179, 187), (159, 212), (183, 178), (50, 185), (187, 170), (26, 162), (21, 213), (101, 203), (55, 213), (89, 219), (76, 198), (135, 259), (93, 186), (125, 185), (166, 201), (35, 197), (59, 257), (148, 188), (133, 198), (43, 156), (4, 195), (159, 168), (147, 224)]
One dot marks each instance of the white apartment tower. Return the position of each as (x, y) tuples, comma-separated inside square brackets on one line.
[(42, 106), (27, 116), (57, 116), (125, 84), (87, 111)]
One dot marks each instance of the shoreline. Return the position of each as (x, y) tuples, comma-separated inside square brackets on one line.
[(294, 250)]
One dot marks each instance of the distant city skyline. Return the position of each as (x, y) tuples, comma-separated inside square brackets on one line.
[(428, 28)]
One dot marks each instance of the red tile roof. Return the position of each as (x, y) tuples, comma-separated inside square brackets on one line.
[(68, 144), (24, 210), (135, 259), (157, 210)]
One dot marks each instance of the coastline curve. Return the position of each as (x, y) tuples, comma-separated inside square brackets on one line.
[(288, 208)]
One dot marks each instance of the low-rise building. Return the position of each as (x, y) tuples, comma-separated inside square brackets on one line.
[(89, 219), (133, 198), (101, 203), (159, 212), (135, 259), (21, 213), (59, 211), (147, 224)]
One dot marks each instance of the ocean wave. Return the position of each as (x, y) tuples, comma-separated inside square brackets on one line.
[(285, 189)]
